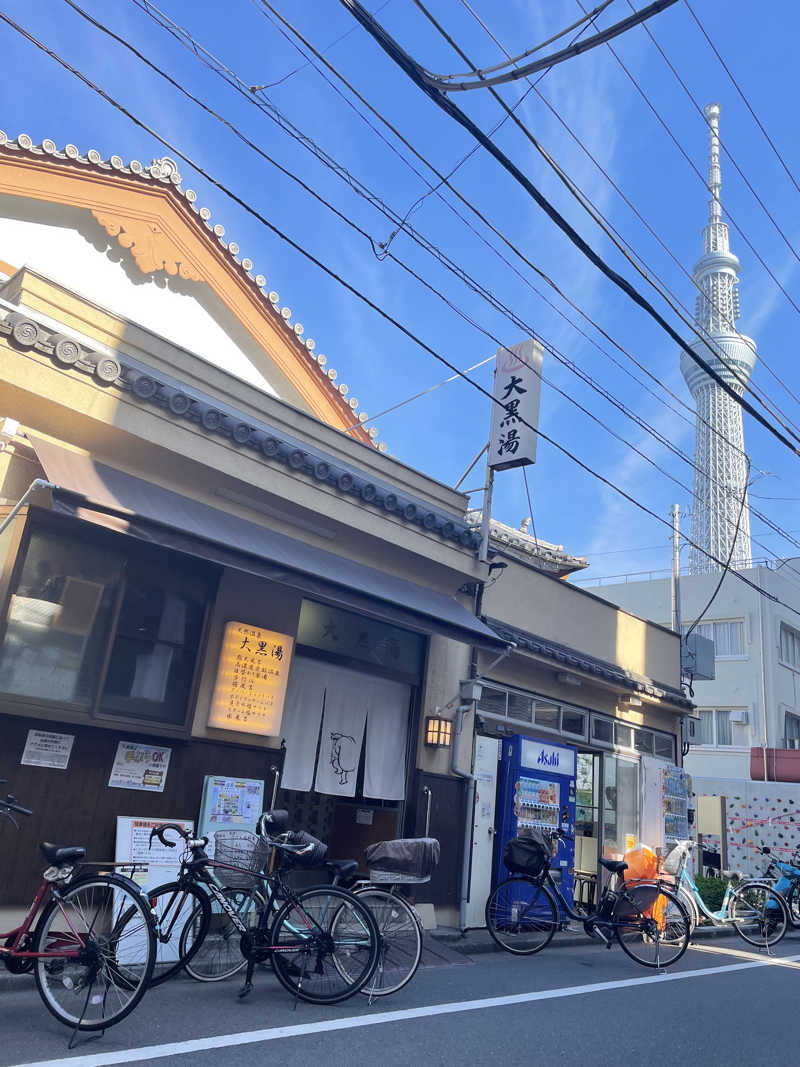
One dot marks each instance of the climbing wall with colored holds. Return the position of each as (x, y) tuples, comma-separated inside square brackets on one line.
[(758, 814)]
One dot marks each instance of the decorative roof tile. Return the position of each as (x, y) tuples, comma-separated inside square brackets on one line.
[(179, 402), (164, 171)]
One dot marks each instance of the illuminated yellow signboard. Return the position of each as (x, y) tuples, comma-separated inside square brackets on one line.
[(251, 680)]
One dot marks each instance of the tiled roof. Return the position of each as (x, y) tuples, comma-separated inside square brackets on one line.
[(164, 172), (580, 661), (25, 330)]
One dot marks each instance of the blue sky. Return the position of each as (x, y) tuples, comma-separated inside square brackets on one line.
[(443, 432)]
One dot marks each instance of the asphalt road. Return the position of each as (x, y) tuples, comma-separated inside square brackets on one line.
[(722, 1004)]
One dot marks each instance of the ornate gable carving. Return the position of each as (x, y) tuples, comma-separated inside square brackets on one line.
[(151, 247)]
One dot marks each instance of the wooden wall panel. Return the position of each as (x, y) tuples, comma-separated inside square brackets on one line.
[(76, 806)]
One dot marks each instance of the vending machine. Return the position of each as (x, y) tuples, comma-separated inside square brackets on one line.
[(537, 790)]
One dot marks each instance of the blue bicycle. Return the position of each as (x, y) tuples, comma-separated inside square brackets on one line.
[(757, 913), (785, 879)]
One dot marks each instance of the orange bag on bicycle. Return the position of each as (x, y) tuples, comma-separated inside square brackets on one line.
[(643, 867)]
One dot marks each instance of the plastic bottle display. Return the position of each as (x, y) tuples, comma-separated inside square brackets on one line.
[(536, 804)]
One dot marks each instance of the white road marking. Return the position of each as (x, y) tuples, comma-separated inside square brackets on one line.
[(276, 1033), (743, 954)]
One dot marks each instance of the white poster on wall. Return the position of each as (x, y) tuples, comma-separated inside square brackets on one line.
[(161, 865), (140, 767), (43, 748)]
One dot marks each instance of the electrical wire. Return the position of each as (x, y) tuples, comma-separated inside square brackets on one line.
[(745, 101), (519, 323), (582, 22), (530, 505), (442, 82), (468, 203), (632, 207), (667, 129), (728, 152), (327, 48), (646, 427), (355, 291), (726, 568), (415, 72)]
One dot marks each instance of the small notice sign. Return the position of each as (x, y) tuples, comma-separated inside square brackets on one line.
[(140, 767), (43, 748), (251, 680)]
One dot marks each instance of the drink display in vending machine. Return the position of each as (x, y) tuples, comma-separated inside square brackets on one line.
[(537, 791)]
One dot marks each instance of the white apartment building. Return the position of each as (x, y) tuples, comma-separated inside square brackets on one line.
[(754, 700)]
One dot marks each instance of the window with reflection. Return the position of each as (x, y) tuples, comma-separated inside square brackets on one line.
[(58, 620), (157, 637), (97, 627)]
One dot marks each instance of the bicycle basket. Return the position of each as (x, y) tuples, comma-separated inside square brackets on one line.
[(243, 850), (676, 858), (527, 855)]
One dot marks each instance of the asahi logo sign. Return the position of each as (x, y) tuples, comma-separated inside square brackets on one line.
[(539, 756)]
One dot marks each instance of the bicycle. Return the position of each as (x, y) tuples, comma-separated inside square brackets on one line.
[(785, 878), (757, 913), (89, 939), (322, 941), (522, 912)]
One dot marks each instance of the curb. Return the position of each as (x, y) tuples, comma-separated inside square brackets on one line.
[(478, 942)]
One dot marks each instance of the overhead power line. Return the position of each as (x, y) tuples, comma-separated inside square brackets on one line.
[(443, 82), (359, 294), (268, 108), (668, 130), (662, 439), (641, 423), (745, 101), (627, 251), (621, 193), (582, 22), (514, 248), (730, 155), (414, 72)]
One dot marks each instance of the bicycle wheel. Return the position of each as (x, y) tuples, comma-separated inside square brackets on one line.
[(652, 925), (691, 909), (177, 907), (400, 948), (215, 954), (759, 914), (521, 916), (793, 903), (104, 935), (324, 945)]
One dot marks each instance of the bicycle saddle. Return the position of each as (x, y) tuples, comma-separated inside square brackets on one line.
[(57, 855), (615, 866), (343, 869)]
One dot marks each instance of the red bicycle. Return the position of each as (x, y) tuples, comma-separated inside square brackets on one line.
[(89, 939)]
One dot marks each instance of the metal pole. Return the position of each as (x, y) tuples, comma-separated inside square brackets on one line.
[(486, 516), (38, 483), (676, 568), (469, 468)]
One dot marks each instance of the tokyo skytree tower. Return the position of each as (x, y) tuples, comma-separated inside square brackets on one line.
[(720, 478)]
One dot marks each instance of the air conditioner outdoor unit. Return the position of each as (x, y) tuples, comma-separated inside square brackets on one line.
[(739, 718)]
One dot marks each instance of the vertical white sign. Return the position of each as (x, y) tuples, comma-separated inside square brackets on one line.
[(517, 387)]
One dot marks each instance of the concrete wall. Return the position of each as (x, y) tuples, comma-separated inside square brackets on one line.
[(555, 609), (67, 245)]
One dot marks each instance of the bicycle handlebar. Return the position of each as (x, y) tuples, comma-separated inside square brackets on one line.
[(158, 831), (10, 804)]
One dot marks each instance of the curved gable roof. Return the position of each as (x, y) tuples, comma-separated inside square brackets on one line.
[(147, 211)]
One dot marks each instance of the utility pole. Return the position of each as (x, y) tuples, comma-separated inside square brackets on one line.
[(676, 568)]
